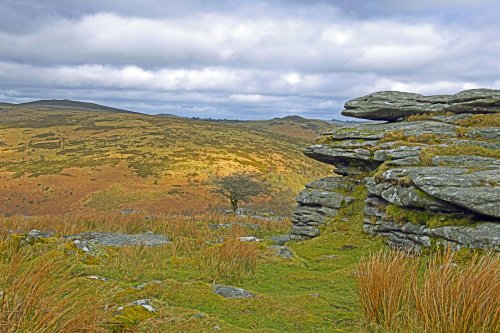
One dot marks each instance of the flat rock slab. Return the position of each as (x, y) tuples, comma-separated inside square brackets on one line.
[(114, 239), (392, 105), (231, 292), (475, 190), (377, 131)]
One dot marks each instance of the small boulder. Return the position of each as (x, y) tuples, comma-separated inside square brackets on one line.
[(282, 251), (231, 292)]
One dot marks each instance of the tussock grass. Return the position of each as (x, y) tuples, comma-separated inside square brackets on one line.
[(383, 281), (40, 294), (230, 260), (445, 297), (195, 226), (459, 299)]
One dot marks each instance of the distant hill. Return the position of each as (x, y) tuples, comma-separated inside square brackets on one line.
[(294, 126), (65, 104), (59, 156)]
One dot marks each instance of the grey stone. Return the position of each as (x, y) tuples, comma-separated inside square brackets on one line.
[(492, 133), (314, 197), (453, 119), (312, 215), (464, 161), (393, 105), (116, 239), (400, 152), (475, 190), (231, 292), (305, 231), (280, 239), (248, 239), (332, 184), (367, 132), (34, 235), (282, 251), (407, 196)]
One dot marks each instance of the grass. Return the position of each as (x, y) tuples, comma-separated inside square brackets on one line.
[(421, 217), (231, 259), (428, 153), (42, 294), (435, 294), (311, 293)]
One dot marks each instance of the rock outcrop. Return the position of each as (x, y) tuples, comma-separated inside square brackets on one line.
[(392, 105), (427, 181)]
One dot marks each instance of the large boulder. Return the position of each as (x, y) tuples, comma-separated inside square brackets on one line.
[(392, 105)]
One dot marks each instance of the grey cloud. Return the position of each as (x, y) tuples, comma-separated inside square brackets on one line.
[(240, 59)]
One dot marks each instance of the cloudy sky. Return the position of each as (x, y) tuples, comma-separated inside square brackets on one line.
[(244, 59)]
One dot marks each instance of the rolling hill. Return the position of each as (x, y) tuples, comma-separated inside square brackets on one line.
[(60, 156)]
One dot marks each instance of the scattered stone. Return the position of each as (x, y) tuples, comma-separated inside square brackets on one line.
[(231, 292), (217, 328), (249, 239), (199, 315), (115, 239), (280, 239), (36, 235), (328, 257), (98, 278), (145, 303), (144, 285), (282, 251)]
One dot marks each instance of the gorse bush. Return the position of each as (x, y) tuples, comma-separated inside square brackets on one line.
[(444, 297)]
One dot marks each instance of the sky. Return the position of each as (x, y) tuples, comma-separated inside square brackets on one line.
[(244, 59)]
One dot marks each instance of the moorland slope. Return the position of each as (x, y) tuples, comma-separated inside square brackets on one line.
[(60, 156)]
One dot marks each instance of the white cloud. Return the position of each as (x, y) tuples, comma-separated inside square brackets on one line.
[(273, 58)]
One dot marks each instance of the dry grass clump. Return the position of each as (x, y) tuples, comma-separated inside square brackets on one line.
[(444, 298), (40, 294), (459, 299), (231, 259), (383, 281), (171, 225), (427, 153), (482, 120)]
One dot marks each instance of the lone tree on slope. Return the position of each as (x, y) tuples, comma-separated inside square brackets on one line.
[(238, 187)]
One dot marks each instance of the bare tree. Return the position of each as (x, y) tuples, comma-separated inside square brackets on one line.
[(238, 187)]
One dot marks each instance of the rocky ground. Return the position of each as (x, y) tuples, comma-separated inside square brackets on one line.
[(431, 172)]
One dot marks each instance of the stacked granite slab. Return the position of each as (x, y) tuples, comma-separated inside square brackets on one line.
[(388, 159)]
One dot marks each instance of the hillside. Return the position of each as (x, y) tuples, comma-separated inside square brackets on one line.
[(59, 156)]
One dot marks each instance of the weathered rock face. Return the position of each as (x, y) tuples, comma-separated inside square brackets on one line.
[(318, 202), (392, 105), (427, 181)]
